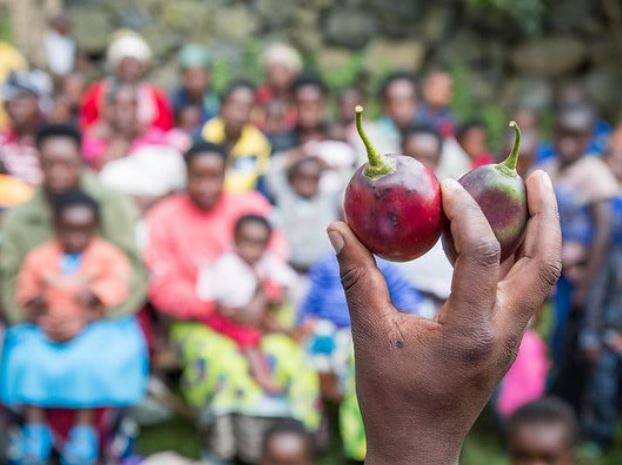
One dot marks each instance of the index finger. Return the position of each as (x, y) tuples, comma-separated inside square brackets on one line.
[(476, 269), (538, 263)]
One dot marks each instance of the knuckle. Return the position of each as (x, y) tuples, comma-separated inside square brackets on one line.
[(486, 251), (549, 272), (351, 277), (477, 346)]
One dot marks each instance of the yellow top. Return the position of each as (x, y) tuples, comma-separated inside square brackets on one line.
[(248, 158), (13, 191)]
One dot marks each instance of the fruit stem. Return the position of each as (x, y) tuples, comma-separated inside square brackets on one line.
[(378, 165), (512, 159)]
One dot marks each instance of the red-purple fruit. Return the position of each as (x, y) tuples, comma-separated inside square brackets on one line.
[(500, 193), (393, 204)]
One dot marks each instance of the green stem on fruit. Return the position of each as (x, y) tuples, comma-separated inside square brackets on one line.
[(512, 159), (378, 165)]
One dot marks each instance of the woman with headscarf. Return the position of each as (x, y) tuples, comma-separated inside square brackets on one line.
[(128, 58), (282, 64)]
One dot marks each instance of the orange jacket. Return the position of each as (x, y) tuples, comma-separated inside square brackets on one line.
[(104, 270)]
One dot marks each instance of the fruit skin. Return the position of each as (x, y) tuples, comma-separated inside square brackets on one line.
[(399, 216), (393, 204), (500, 193)]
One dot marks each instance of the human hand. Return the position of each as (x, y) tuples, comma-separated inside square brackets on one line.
[(421, 384), (35, 308), (61, 329), (88, 299)]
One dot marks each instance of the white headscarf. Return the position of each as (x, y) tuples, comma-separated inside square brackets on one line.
[(127, 44), (283, 54)]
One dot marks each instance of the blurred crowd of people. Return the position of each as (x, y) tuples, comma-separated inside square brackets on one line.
[(154, 237)]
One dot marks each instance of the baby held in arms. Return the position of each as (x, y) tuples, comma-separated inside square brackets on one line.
[(248, 283)]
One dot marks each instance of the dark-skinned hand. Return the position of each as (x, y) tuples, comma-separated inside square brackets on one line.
[(421, 384)]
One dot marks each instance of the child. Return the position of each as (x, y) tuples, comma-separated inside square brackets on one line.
[(472, 138), (436, 106), (425, 144), (245, 282), (304, 208), (544, 431), (287, 443), (65, 284), (76, 275)]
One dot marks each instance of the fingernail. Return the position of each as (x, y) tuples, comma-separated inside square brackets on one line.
[(336, 239), (545, 179)]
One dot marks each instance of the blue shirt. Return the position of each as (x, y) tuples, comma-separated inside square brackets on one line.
[(326, 298), (616, 221)]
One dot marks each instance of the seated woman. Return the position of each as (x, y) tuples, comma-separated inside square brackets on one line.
[(67, 354), (128, 58), (120, 132), (186, 233), (29, 225), (137, 161)]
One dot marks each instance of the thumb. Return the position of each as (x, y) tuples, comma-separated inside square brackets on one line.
[(364, 285)]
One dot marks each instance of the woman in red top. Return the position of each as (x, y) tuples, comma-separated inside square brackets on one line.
[(282, 65), (128, 59)]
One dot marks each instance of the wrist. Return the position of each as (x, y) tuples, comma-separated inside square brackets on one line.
[(412, 448), (421, 457)]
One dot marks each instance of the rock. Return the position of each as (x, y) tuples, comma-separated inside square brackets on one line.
[(332, 59), (464, 47), (350, 27), (187, 17), (602, 51), (529, 92), (603, 85), (550, 56), (397, 18), (276, 13), (92, 28), (574, 16), (436, 23), (235, 23), (382, 55)]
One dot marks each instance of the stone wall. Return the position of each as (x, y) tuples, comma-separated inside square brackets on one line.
[(359, 40)]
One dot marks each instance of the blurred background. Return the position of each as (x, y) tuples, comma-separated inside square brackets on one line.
[(158, 98)]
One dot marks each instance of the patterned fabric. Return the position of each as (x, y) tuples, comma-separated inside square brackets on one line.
[(216, 376), (19, 157), (351, 421), (239, 436)]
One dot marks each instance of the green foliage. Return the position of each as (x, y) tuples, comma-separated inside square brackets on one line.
[(466, 109), (346, 75), (252, 61), (221, 75), (528, 14), (5, 25)]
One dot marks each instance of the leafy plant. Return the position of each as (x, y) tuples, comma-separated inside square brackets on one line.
[(221, 75)]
